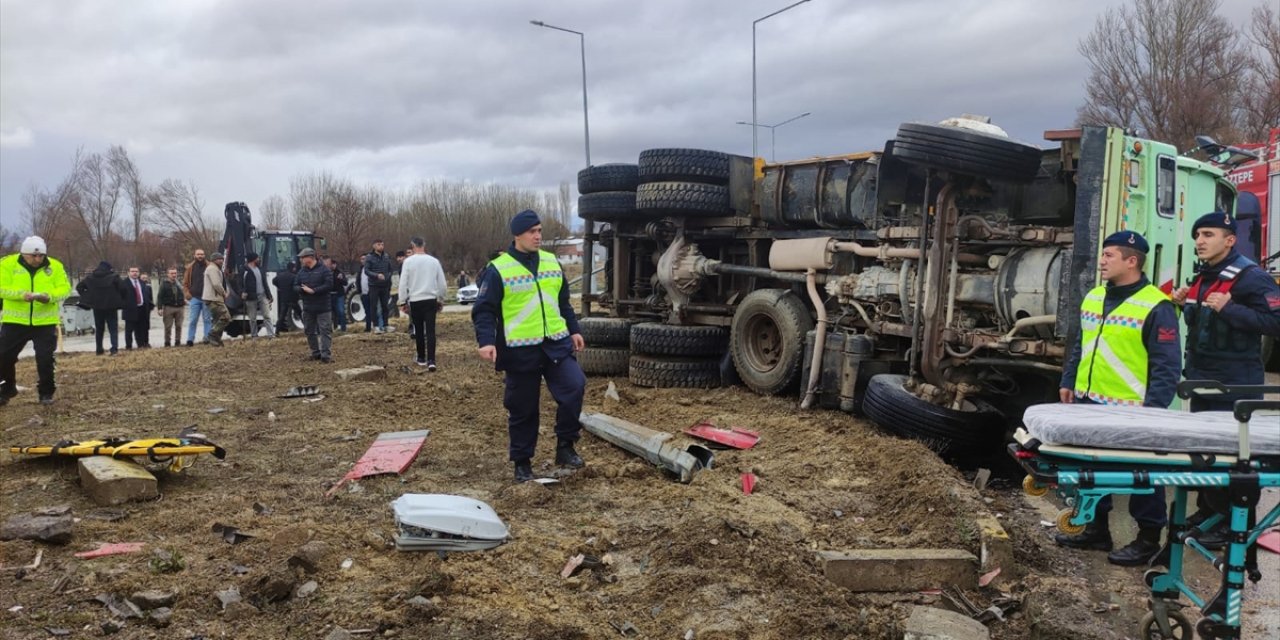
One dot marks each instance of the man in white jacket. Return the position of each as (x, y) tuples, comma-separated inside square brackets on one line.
[(422, 291)]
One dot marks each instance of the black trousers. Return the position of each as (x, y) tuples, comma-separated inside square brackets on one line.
[(138, 330), (106, 320), (380, 299), (285, 310), (13, 337), (567, 385), (422, 318)]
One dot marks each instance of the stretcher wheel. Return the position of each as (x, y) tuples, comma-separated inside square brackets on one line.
[(1033, 488), (1151, 576), (1179, 627), (1064, 523)]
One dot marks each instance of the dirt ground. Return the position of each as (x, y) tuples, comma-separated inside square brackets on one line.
[(701, 557)]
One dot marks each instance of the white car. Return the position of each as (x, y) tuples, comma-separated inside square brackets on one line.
[(468, 294)]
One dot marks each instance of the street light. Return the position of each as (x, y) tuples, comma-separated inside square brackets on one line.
[(773, 140), (754, 128), (582, 39)]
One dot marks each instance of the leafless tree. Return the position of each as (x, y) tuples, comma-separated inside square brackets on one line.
[(10, 241), (126, 174), (334, 208), (178, 211), (1169, 68), (97, 209), (1260, 91), (273, 213)]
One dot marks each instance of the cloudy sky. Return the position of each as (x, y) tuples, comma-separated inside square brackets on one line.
[(239, 96)]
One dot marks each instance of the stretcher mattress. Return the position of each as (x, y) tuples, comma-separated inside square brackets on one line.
[(1148, 429)]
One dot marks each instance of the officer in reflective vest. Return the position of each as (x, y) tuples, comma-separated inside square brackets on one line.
[(525, 326), (1128, 354), (1229, 306), (33, 286)]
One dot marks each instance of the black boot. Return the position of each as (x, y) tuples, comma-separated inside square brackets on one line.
[(1095, 537), (1139, 552), (524, 471), (567, 457)]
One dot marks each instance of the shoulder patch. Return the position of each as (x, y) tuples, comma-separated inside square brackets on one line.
[(1166, 335), (1273, 300)]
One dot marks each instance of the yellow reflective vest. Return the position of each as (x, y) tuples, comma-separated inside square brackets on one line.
[(16, 280), (531, 302), (1113, 359)]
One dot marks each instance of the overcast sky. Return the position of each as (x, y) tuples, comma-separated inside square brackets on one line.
[(239, 96)]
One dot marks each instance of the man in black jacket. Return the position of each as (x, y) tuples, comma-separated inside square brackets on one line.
[(313, 284), (286, 300), (379, 267), (137, 310), (171, 306), (256, 296), (103, 292)]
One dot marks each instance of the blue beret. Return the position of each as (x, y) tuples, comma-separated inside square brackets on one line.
[(1128, 239), (1215, 220), (524, 221)]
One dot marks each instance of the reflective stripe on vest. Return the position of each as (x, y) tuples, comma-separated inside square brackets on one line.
[(1113, 359), (531, 304), (15, 281)]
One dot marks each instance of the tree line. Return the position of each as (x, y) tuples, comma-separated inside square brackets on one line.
[(103, 210)]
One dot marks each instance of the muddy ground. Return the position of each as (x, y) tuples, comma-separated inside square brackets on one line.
[(701, 557)]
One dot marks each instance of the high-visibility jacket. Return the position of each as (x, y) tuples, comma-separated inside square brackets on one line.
[(1113, 358), (531, 303), (16, 280)]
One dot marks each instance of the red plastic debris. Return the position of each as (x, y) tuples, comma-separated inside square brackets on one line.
[(389, 453), (1270, 541), (748, 483), (986, 578), (735, 437), (112, 549)]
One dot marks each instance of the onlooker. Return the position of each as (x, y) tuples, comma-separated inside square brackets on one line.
[(378, 264), (395, 284), (287, 300), (136, 311), (422, 288), (313, 283), (362, 285), (171, 306), (463, 279), (33, 286), (103, 292), (531, 333), (215, 299), (256, 296), (337, 294), (149, 295), (193, 291)]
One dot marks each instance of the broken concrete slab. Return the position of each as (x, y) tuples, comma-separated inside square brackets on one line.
[(997, 548), (50, 529), (928, 623), (109, 481), (310, 556), (153, 599), (900, 569), (368, 373)]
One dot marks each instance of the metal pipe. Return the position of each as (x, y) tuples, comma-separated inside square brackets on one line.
[(957, 354), (654, 446), (819, 339), (951, 284), (1029, 321), (920, 276), (1010, 362), (862, 312), (762, 272), (884, 252)]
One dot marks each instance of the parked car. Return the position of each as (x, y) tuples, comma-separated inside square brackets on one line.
[(468, 294)]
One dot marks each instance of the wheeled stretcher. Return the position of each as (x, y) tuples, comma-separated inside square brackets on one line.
[(1085, 452)]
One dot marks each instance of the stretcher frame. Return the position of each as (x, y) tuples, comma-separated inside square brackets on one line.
[(1083, 476)]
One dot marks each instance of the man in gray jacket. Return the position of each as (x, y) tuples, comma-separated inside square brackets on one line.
[(215, 299)]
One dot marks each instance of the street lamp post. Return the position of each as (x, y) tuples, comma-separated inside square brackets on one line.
[(582, 40), (754, 127), (773, 129)]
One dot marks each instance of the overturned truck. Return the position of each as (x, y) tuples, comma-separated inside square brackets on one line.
[(932, 286)]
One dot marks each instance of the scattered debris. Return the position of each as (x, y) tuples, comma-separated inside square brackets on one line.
[(612, 392), (56, 632), (309, 557), (34, 564), (26, 526), (261, 509), (112, 481), (1270, 541), (748, 483), (423, 607), (928, 623), (654, 446), (338, 633), (436, 522), (733, 437), (347, 564), (301, 391), (118, 606), (309, 587), (389, 453), (160, 617), (107, 515), (367, 373), (625, 628), (228, 596), (60, 510), (986, 578), (216, 410), (981, 479), (315, 399), (579, 562), (271, 416), (153, 599), (230, 534), (35, 421), (111, 549)]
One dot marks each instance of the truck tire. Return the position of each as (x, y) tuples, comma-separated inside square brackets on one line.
[(956, 436), (684, 165), (606, 332), (674, 373), (682, 198), (604, 361), (355, 307), (966, 151), (607, 205), (608, 177), (652, 338), (767, 340)]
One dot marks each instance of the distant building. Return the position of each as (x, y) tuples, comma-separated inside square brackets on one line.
[(568, 251)]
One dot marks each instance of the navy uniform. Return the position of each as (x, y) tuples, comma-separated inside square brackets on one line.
[(523, 310)]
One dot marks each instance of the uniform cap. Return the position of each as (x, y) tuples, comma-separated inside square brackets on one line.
[(1215, 220), (34, 244), (1130, 239)]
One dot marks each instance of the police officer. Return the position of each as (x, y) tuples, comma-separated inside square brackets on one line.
[(1128, 354), (1229, 306), (33, 286), (526, 327)]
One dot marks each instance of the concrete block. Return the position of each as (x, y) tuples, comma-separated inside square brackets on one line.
[(111, 481), (368, 373), (900, 569), (928, 623), (997, 548)]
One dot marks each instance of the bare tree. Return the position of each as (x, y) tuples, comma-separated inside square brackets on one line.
[(273, 213), (565, 205), (178, 211), (125, 173), (1169, 68), (332, 207), (1260, 91), (97, 209)]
